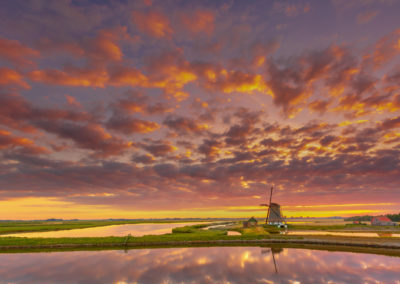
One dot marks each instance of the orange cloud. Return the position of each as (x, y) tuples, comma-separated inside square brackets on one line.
[(12, 77), (17, 53), (127, 76), (90, 136), (176, 79), (385, 49), (184, 125), (73, 102), (171, 72), (168, 77), (152, 23), (100, 49), (6, 140), (9, 141), (128, 125), (104, 47), (199, 22), (160, 148), (231, 81), (319, 106), (71, 77)]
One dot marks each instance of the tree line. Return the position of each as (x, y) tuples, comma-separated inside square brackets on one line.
[(393, 217)]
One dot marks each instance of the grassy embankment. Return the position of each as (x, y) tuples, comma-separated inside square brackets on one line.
[(189, 236), (9, 227)]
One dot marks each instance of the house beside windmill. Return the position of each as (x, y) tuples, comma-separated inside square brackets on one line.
[(252, 222), (382, 221)]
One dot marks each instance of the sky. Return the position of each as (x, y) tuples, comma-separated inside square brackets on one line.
[(157, 109)]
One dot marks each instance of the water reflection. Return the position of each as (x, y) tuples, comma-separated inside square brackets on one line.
[(273, 251), (136, 230), (348, 234), (199, 265)]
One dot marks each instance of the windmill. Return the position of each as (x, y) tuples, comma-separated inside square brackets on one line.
[(274, 215)]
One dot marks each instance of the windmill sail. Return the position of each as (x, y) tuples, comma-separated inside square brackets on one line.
[(269, 205)]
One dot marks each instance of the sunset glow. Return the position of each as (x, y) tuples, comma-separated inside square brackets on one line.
[(163, 109)]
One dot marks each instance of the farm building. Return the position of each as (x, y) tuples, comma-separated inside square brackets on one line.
[(252, 222), (382, 221)]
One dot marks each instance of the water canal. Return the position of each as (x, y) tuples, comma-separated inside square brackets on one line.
[(136, 230), (344, 234), (199, 265)]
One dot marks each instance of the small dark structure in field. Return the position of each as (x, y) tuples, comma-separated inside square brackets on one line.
[(382, 221), (252, 222), (274, 215)]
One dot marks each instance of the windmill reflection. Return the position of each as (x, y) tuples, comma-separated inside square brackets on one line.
[(273, 250)]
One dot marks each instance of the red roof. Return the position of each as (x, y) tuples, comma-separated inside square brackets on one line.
[(382, 219)]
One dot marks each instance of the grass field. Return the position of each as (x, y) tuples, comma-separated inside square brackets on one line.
[(196, 235)]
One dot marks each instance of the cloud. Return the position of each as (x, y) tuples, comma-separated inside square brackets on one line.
[(216, 78), (144, 159), (104, 47), (102, 105), (366, 17), (291, 10), (152, 23), (135, 102), (19, 144), (129, 125), (71, 76), (18, 113), (184, 125), (159, 148), (88, 136), (319, 106), (127, 76), (15, 52), (7, 140), (170, 71), (210, 148), (77, 126), (312, 155), (72, 101), (391, 123), (11, 77), (384, 50), (199, 22)]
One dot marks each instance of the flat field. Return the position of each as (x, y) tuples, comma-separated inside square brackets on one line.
[(199, 235)]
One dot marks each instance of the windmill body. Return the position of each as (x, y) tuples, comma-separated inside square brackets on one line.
[(274, 215)]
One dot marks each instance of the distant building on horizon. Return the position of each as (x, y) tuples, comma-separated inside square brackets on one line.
[(382, 221)]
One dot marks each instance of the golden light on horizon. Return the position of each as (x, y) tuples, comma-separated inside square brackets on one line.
[(46, 208)]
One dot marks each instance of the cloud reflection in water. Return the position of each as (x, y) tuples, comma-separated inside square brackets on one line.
[(199, 265)]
